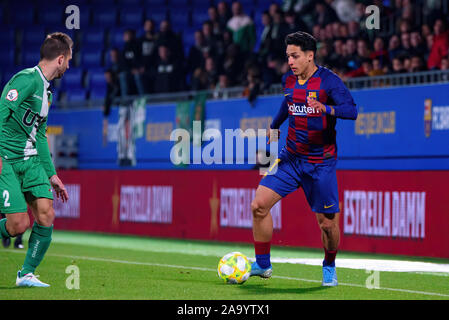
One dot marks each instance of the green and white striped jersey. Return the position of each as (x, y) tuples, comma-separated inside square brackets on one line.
[(24, 106)]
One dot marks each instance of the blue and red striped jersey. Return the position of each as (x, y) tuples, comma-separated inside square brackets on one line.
[(311, 133)]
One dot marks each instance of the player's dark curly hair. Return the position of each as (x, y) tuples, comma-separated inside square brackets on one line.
[(303, 40)]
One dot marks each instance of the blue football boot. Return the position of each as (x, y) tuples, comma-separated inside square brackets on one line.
[(329, 275), (256, 270)]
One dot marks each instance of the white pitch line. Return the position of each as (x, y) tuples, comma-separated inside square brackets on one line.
[(214, 270)]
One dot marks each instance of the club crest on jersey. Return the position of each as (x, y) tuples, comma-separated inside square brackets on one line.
[(301, 109), (313, 95), (12, 95)]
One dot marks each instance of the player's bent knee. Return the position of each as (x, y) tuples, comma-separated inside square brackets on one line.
[(18, 226), (45, 215), (258, 210), (327, 226)]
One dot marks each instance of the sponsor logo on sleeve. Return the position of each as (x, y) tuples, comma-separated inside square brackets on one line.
[(12, 95)]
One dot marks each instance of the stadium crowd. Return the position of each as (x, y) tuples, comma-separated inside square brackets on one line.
[(229, 50)]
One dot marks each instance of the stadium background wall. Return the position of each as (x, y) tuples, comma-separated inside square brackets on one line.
[(393, 170), (391, 133), (401, 212)]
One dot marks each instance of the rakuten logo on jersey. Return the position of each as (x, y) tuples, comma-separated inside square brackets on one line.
[(301, 110)]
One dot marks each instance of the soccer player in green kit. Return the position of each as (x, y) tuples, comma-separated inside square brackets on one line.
[(27, 171)]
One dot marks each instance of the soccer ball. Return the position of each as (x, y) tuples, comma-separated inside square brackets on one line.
[(234, 268)]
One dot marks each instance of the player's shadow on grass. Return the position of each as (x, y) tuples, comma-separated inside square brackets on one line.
[(264, 289)]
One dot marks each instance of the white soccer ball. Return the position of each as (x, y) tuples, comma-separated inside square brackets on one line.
[(234, 268)]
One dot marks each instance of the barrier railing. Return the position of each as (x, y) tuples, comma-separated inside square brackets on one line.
[(389, 80)]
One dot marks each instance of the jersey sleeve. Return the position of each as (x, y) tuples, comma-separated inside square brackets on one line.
[(344, 107), (280, 116), (43, 150), (18, 90)]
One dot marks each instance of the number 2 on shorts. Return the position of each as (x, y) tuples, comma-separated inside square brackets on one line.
[(6, 198)]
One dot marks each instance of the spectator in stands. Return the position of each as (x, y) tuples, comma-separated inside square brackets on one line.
[(405, 43), (351, 60), (377, 70), (210, 40), (323, 55), (344, 32), (440, 45), (223, 83), (278, 33), (253, 85), (149, 53), (380, 52), (168, 38), (217, 29), (243, 30), (132, 64), (425, 31), (362, 49), (294, 23), (212, 72), (265, 36), (232, 64), (416, 64), (363, 71), (169, 75), (444, 63), (223, 14), (324, 14), (336, 57), (345, 10), (417, 46), (272, 71), (195, 57), (112, 91), (353, 28), (397, 66), (394, 47), (407, 62), (115, 64), (199, 79)]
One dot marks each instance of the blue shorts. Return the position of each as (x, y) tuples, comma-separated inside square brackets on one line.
[(318, 180)]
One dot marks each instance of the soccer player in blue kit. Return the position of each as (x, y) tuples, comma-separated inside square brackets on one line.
[(314, 98)]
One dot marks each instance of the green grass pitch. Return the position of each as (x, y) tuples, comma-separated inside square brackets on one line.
[(126, 267)]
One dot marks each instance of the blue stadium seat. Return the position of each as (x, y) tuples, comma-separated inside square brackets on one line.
[(199, 17), (97, 93), (179, 20), (7, 56), (155, 3), (7, 35), (50, 15), (20, 15), (177, 3), (130, 2), (73, 78), (104, 16), (8, 73), (91, 58), (131, 17), (116, 37), (92, 36), (33, 36), (30, 58), (76, 94), (156, 13)]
